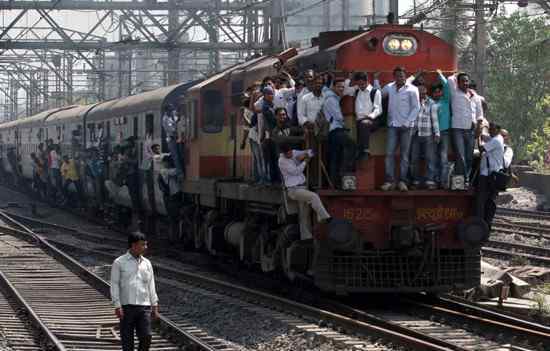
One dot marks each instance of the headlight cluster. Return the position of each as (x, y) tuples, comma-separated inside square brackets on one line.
[(402, 45)]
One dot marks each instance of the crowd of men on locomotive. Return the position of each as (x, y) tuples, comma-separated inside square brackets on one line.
[(145, 153)]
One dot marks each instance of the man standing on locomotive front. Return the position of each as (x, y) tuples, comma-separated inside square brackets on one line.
[(466, 111), (368, 107), (133, 294), (403, 109)]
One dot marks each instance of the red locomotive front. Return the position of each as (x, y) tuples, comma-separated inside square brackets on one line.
[(420, 240)]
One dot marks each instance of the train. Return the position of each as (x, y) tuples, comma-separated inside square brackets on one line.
[(415, 241)]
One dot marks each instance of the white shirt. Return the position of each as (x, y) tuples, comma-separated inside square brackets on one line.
[(508, 156), (300, 104), (310, 107), (466, 107), (133, 282), (364, 107), (252, 131), (403, 104), (170, 125), (147, 153), (260, 120), (494, 152), (54, 159), (282, 97), (292, 169), (170, 177)]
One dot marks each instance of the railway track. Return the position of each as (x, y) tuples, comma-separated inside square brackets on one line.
[(503, 249), (419, 331), (537, 215), (15, 327), (429, 331), (67, 303)]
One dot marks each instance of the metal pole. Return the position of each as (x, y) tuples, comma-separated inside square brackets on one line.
[(480, 45)]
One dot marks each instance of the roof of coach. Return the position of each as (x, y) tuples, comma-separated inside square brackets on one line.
[(147, 101), (68, 115), (36, 120)]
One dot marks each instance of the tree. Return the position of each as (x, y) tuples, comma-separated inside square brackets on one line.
[(518, 68)]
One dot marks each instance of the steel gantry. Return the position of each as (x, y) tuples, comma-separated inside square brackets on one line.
[(81, 51)]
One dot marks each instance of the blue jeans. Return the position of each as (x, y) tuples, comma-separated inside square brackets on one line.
[(442, 157), (398, 136), (176, 154), (463, 140), (258, 167), (425, 146)]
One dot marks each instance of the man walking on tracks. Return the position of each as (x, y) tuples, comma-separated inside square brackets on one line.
[(133, 294)]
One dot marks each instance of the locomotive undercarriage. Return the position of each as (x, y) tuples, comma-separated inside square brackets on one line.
[(260, 235)]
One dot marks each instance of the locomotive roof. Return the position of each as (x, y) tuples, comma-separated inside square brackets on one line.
[(219, 75)]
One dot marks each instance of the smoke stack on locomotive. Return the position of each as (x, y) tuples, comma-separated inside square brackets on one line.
[(379, 241)]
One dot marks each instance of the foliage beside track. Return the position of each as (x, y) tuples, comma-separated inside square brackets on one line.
[(518, 81)]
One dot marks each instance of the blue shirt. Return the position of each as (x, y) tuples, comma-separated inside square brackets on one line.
[(332, 110), (443, 105)]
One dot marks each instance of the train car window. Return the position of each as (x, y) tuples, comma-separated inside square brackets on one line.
[(237, 88), (91, 130), (135, 126), (212, 108)]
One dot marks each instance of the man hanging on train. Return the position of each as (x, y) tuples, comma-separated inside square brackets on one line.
[(170, 121), (292, 164), (403, 109), (368, 107)]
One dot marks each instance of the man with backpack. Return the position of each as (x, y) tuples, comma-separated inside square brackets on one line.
[(368, 106)]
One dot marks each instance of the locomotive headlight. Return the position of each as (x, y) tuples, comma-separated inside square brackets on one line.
[(394, 44), (406, 45), (400, 45)]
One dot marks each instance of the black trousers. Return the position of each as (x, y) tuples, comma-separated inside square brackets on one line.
[(364, 131), (136, 319), (485, 206), (341, 155)]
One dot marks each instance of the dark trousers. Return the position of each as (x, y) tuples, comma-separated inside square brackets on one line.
[(341, 153), (364, 130), (138, 319), (485, 206), (271, 158)]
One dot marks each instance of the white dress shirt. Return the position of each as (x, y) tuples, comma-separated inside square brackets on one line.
[(494, 152), (252, 130), (292, 169), (284, 96), (364, 106), (300, 105), (508, 156), (466, 107), (310, 107), (133, 282), (403, 104)]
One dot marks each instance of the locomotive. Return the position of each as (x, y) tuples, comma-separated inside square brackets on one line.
[(389, 242)]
